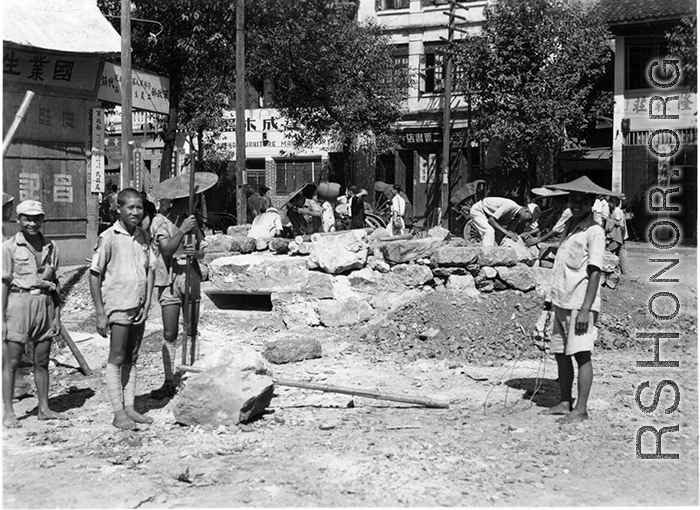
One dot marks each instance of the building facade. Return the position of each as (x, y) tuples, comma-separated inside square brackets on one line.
[(642, 155)]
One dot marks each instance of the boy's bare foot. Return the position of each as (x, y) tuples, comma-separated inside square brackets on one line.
[(573, 417), (137, 417), (48, 414), (10, 421), (122, 421), (561, 408)]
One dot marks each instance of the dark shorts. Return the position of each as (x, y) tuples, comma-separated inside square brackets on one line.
[(29, 317)]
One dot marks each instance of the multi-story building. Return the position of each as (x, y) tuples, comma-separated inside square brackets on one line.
[(644, 157), (418, 30)]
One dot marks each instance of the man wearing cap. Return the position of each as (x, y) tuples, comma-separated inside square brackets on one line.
[(266, 225), (575, 295), (496, 214), (31, 307)]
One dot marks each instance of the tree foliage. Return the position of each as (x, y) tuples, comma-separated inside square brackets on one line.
[(683, 43), (329, 75), (531, 74)]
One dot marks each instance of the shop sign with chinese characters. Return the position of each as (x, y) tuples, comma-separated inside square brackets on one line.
[(53, 70), (49, 118), (150, 91), (97, 159)]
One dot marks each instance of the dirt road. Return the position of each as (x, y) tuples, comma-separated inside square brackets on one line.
[(491, 447)]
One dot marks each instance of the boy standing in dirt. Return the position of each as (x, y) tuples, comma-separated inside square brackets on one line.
[(121, 284), (31, 307), (576, 300)]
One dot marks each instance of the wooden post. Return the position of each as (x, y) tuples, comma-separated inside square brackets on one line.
[(19, 117), (76, 352), (127, 176), (241, 174)]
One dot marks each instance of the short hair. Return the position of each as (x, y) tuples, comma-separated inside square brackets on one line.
[(114, 188), (397, 188), (127, 193)]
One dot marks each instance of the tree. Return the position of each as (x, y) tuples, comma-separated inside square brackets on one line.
[(683, 43), (196, 51), (329, 74), (531, 75)]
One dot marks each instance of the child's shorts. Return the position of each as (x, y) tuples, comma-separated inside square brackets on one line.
[(564, 338), (29, 317), (174, 294), (123, 317)]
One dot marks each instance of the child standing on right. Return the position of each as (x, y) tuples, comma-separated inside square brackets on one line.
[(121, 284)]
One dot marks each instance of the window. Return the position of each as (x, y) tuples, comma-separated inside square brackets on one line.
[(255, 170), (391, 5), (639, 52), (400, 65), (293, 174), (432, 70)]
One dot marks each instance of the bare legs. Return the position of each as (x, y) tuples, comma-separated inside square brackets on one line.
[(566, 380)]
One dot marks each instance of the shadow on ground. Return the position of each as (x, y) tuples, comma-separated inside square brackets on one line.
[(545, 391)]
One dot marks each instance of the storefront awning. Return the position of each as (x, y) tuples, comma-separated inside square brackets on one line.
[(66, 26), (583, 160)]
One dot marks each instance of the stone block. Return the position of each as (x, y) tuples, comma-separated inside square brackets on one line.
[(412, 275), (288, 350), (218, 243), (242, 244), (462, 284), (378, 235), (222, 395), (610, 262), (455, 256), (543, 281), (378, 264), (366, 279), (497, 256), (346, 312), (262, 243), (446, 272), (339, 253), (259, 273), (524, 254), (408, 250), (299, 314), (519, 277), (488, 272), (438, 232)]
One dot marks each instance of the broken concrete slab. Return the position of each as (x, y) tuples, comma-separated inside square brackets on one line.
[(408, 250), (497, 256), (339, 253), (222, 395), (291, 349), (346, 312), (455, 256), (259, 273)]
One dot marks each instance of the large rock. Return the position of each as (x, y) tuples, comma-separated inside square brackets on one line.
[(378, 264), (412, 275), (290, 349), (366, 280), (455, 256), (347, 312), (610, 262), (408, 250), (223, 395), (488, 272), (462, 284), (446, 272), (527, 256), (497, 256), (378, 235), (299, 314), (238, 230), (438, 232), (218, 243), (519, 277), (242, 244), (543, 282), (236, 356), (339, 253)]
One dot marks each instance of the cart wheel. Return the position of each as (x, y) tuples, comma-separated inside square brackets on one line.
[(470, 232), (372, 221)]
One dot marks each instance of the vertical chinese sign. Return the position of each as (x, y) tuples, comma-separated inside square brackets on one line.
[(97, 161)]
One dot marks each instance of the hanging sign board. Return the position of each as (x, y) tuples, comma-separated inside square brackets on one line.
[(150, 91), (97, 160)]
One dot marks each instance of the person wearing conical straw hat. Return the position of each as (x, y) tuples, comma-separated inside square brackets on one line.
[(575, 297), (7, 205), (169, 232)]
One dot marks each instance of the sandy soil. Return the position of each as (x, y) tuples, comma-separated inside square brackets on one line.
[(490, 448)]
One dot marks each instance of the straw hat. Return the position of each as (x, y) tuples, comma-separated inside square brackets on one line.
[(583, 185), (6, 199), (545, 193), (307, 191), (179, 186)]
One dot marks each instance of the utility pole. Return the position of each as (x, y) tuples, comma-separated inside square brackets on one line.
[(127, 175), (446, 116), (241, 174)]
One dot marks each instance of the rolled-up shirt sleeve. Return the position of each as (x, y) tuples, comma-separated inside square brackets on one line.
[(101, 256)]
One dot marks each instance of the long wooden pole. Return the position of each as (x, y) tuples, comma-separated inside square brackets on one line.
[(187, 310), (76, 352), (19, 117), (446, 119), (241, 177), (127, 177), (358, 392)]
